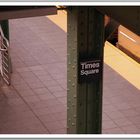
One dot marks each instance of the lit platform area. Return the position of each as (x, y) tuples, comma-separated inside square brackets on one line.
[(36, 103)]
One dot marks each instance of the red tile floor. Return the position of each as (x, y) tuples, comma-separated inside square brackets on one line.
[(35, 103)]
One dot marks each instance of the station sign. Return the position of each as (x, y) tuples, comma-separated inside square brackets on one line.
[(90, 70)]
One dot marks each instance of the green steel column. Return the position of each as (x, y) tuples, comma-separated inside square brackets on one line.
[(5, 28), (85, 41)]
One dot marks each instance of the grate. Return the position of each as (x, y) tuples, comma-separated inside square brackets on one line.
[(4, 58)]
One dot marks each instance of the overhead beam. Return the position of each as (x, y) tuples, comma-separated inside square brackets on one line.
[(128, 16), (12, 12)]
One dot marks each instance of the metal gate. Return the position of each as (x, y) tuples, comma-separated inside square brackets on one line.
[(5, 63)]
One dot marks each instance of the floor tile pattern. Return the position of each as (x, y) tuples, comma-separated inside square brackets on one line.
[(35, 103)]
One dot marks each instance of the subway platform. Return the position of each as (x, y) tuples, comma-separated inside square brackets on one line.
[(35, 103)]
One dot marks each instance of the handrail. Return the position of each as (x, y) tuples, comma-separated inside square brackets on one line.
[(4, 41), (5, 68)]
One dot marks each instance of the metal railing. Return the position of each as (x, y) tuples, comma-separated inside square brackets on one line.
[(5, 61)]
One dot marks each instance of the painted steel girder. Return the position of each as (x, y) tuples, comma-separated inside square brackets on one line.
[(13, 12), (127, 16)]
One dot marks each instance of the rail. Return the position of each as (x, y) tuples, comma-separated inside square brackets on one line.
[(4, 58)]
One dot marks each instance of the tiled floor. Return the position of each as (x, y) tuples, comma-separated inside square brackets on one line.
[(36, 100), (35, 103)]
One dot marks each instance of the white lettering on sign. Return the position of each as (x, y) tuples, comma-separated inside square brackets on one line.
[(88, 72), (89, 68)]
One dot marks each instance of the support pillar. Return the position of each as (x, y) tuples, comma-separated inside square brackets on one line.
[(85, 42)]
